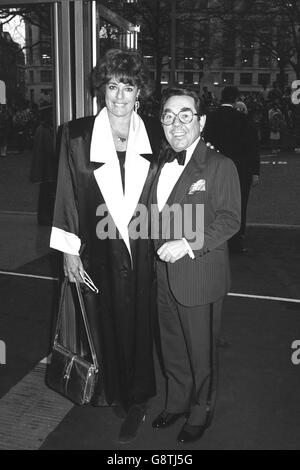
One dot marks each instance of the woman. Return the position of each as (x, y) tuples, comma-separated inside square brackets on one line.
[(107, 165)]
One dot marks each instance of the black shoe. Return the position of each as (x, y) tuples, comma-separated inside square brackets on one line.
[(130, 427), (165, 419), (190, 433)]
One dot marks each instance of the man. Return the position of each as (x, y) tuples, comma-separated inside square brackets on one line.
[(44, 166), (232, 134), (192, 277)]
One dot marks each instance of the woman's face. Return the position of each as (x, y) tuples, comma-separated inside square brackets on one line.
[(120, 97)]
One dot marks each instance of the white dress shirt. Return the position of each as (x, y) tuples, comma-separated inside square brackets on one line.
[(168, 177)]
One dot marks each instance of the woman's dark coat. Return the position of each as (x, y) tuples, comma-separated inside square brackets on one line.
[(121, 315)]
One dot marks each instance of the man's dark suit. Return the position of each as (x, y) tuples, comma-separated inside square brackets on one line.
[(190, 291), (231, 133)]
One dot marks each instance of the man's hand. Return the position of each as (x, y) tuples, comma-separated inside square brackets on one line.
[(255, 180), (172, 251), (73, 267)]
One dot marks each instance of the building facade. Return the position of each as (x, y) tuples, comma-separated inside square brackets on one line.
[(11, 66), (243, 57), (213, 43), (39, 61)]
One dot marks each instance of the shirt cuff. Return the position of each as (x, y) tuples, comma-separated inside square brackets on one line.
[(66, 242), (190, 251)]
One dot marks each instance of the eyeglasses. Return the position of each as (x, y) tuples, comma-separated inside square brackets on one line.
[(185, 116)]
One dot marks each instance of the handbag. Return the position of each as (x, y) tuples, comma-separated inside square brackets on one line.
[(71, 372)]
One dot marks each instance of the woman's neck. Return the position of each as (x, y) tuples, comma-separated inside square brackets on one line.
[(120, 129), (120, 124)]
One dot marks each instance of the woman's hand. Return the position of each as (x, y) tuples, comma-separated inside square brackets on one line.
[(73, 267)]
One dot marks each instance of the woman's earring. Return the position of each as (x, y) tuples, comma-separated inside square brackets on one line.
[(136, 105)]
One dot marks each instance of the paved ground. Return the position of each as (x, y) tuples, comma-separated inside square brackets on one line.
[(17, 193), (258, 405), (276, 199)]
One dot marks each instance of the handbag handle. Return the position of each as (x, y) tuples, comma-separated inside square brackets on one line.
[(86, 324), (84, 316)]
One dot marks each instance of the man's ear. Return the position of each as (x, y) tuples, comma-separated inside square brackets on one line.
[(202, 122)]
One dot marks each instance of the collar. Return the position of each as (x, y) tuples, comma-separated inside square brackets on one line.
[(190, 150), (102, 144), (227, 105)]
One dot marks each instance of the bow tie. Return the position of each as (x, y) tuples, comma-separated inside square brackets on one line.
[(171, 155)]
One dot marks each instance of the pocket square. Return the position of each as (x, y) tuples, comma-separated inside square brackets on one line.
[(197, 186)]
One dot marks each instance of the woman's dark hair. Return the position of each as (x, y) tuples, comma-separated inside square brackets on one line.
[(127, 67), (169, 92)]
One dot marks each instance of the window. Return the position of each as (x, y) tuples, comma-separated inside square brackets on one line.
[(30, 55), (264, 78), (188, 77), (46, 96), (31, 78), (247, 57), (46, 75), (165, 77), (188, 49), (246, 78), (188, 62), (45, 48), (286, 78), (229, 51), (247, 47), (227, 78), (29, 50), (152, 75), (46, 91), (264, 57), (149, 60)]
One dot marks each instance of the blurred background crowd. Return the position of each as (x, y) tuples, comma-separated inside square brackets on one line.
[(273, 114), (271, 110), (18, 124)]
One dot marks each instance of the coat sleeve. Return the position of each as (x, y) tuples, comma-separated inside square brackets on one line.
[(226, 201), (65, 230)]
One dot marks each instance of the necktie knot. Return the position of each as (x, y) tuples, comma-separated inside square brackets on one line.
[(179, 156)]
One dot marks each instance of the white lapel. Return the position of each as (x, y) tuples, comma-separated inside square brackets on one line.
[(108, 176), (136, 167)]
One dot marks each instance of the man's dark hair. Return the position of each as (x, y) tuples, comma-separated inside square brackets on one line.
[(169, 92), (229, 94)]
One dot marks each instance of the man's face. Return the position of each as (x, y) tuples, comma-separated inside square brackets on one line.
[(181, 136)]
